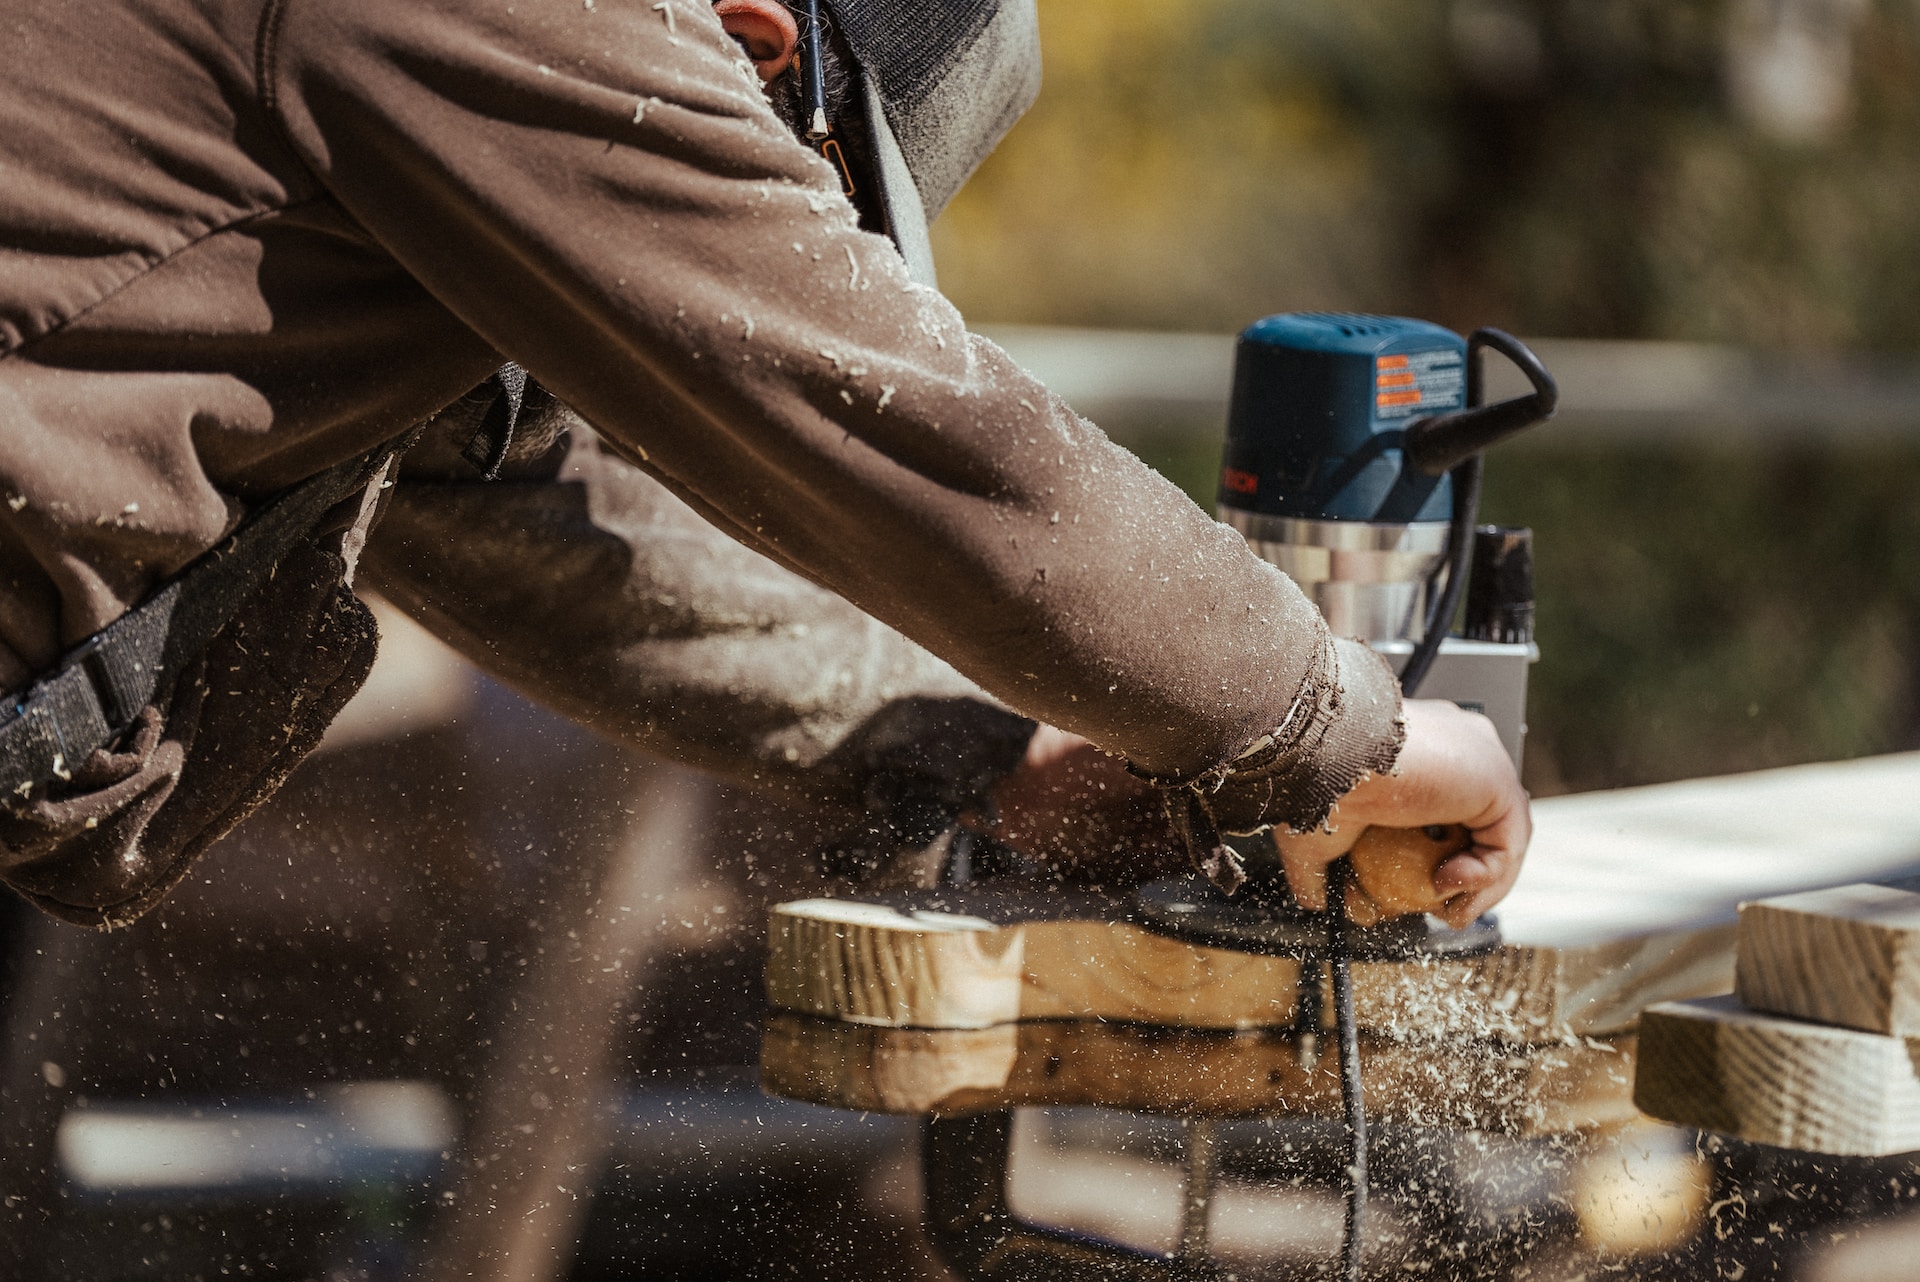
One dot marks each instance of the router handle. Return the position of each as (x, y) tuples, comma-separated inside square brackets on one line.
[(1441, 442)]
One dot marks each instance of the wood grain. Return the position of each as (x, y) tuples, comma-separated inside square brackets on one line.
[(1633, 862), (1515, 1091), (1627, 898), (1848, 956), (952, 1000), (1715, 1065), (970, 957)]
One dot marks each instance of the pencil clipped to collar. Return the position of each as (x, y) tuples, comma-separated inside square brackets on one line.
[(813, 73), (934, 88), (813, 89)]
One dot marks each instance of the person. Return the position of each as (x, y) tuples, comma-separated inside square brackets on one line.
[(769, 507)]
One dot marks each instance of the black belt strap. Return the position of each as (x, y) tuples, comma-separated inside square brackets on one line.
[(102, 684)]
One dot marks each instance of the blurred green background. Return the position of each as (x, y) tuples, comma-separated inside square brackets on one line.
[(1729, 171)]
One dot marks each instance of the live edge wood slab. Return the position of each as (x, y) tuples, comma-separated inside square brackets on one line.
[(1629, 898), (976, 957), (1520, 1091)]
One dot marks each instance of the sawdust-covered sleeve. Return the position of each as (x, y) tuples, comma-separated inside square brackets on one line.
[(581, 581), (601, 192)]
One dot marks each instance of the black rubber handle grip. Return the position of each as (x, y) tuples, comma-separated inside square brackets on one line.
[(1440, 443)]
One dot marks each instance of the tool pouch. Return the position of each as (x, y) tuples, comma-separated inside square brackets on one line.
[(102, 847), (106, 840)]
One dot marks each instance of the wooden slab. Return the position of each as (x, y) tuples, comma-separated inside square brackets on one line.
[(1628, 898), (1531, 1091), (1848, 956), (1714, 1065), (972, 957)]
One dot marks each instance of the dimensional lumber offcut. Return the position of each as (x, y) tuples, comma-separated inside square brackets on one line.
[(1848, 956), (1714, 1065)]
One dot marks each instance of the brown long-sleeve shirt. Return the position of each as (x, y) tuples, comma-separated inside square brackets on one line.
[(241, 240), (582, 581)]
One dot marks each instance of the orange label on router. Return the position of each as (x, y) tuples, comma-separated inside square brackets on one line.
[(1411, 383)]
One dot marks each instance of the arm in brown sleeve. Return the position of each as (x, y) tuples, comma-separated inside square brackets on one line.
[(580, 580), (602, 194)]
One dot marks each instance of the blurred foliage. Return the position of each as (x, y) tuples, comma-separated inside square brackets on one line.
[(1710, 611), (1565, 167), (1579, 168), (1701, 612)]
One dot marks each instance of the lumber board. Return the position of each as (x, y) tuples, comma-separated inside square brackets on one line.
[(1484, 1086), (1684, 856), (1714, 1065), (1628, 898), (972, 957), (1847, 956)]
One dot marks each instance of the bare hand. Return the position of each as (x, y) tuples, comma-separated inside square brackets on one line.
[(1453, 770)]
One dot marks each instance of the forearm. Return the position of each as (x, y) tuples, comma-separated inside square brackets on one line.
[(597, 592)]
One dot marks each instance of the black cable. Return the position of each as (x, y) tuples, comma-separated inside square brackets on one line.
[(1466, 511), (1473, 430), (1351, 1101), (1452, 443), (812, 71), (1442, 442)]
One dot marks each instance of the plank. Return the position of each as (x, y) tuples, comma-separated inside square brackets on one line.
[(972, 957), (970, 997), (1717, 1066), (1483, 1086), (1848, 956), (1628, 898), (1638, 862)]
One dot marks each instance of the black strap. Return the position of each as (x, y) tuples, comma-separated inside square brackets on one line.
[(98, 689), (487, 450)]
